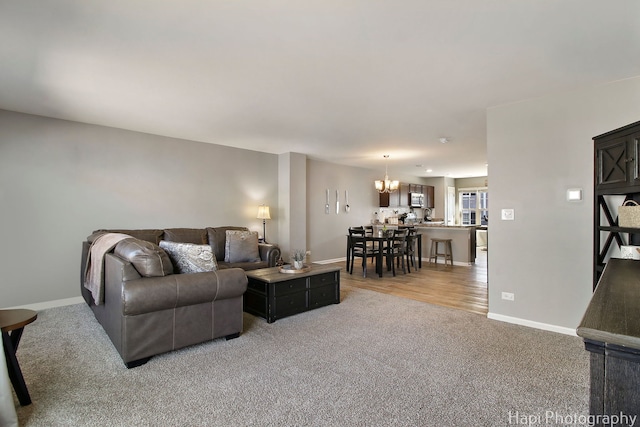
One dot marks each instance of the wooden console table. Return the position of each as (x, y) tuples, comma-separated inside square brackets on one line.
[(14, 321), (611, 332), (274, 295)]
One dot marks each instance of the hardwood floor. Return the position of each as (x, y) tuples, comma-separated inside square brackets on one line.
[(461, 287)]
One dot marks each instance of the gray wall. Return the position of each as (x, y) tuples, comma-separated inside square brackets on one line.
[(538, 149), (60, 180), (326, 233), (292, 218), (476, 182)]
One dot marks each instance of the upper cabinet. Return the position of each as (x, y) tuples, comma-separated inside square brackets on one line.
[(401, 197), (403, 194), (390, 200), (428, 196), (617, 159)]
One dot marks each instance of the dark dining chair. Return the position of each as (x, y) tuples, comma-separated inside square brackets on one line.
[(359, 247), (411, 248), (368, 230), (355, 228), (396, 250)]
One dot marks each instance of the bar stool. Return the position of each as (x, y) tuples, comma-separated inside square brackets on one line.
[(448, 251)]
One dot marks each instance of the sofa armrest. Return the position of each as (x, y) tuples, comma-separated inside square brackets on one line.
[(269, 253)]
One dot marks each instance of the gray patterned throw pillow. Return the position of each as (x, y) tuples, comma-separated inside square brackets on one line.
[(189, 257), (241, 246)]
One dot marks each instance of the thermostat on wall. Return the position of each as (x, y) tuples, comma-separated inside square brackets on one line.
[(574, 194)]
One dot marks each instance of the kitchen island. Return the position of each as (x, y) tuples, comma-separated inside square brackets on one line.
[(463, 239)]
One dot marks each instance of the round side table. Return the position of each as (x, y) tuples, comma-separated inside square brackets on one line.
[(12, 323)]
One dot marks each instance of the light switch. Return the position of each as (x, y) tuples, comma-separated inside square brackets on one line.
[(507, 214)]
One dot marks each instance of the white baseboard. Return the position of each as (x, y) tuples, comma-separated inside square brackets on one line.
[(442, 261), (424, 261), (51, 304), (532, 324), (329, 261)]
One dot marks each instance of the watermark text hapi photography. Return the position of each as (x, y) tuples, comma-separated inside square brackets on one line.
[(550, 418)]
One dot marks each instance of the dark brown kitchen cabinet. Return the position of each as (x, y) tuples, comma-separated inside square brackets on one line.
[(429, 198), (617, 173), (401, 197), (390, 200), (384, 200), (404, 194)]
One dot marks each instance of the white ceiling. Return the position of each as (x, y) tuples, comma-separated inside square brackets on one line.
[(344, 81)]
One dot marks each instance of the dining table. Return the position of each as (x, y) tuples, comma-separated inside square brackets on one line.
[(383, 242)]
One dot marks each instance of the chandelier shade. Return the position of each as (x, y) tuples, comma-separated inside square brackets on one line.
[(386, 185)]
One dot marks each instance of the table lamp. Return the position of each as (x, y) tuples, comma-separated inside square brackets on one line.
[(263, 214)]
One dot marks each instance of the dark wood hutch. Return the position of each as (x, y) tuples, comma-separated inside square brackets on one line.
[(610, 327), (617, 172)]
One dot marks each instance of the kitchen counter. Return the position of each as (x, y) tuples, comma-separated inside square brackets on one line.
[(463, 239), (428, 225)]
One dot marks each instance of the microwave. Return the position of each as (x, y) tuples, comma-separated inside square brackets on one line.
[(416, 200)]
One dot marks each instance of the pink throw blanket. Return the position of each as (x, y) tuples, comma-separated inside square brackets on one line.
[(94, 275)]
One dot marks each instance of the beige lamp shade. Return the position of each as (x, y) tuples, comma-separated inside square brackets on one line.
[(263, 212)]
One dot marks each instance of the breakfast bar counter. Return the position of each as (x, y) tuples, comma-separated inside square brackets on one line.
[(463, 239)]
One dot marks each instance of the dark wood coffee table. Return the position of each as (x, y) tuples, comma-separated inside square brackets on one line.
[(273, 295), (14, 321)]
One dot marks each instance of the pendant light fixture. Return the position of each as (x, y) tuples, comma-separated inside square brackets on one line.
[(386, 185)]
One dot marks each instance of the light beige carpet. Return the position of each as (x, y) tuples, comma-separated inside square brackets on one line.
[(373, 360)]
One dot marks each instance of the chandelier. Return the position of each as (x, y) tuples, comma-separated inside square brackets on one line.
[(386, 185)]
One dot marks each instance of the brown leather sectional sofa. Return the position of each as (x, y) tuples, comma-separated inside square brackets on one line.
[(145, 316)]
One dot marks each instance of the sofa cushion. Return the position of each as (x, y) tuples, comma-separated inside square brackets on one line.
[(150, 235), (241, 246), (187, 235), (189, 257), (183, 290), (218, 239), (246, 266), (148, 258)]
